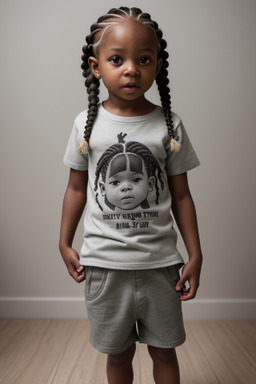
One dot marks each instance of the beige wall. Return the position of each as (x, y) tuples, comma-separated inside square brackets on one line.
[(212, 71)]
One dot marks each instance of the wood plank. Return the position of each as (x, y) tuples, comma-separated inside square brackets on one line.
[(34, 353), (12, 357), (226, 353), (8, 332), (80, 363), (194, 366), (4, 323)]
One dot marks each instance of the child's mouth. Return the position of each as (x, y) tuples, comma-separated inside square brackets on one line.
[(131, 87), (126, 198)]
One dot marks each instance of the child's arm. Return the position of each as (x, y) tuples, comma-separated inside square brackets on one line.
[(185, 215), (73, 206)]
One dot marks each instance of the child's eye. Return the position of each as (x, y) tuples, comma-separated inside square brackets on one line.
[(136, 180), (116, 60), (145, 60), (115, 183)]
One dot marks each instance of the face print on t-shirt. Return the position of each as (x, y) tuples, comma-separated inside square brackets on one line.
[(126, 173), (127, 184)]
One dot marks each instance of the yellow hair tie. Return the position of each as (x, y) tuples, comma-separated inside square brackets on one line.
[(175, 146), (83, 147)]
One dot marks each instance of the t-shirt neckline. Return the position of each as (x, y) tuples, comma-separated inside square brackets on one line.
[(108, 115)]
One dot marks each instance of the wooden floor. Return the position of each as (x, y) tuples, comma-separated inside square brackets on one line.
[(58, 352)]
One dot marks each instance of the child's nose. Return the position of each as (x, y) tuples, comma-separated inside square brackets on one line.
[(131, 69), (126, 188)]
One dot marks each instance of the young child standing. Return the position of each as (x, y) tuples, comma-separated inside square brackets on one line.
[(130, 172)]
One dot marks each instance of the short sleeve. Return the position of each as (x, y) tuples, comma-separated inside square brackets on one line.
[(184, 160), (72, 157)]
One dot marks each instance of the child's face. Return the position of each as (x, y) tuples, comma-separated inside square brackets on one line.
[(126, 188), (127, 60)]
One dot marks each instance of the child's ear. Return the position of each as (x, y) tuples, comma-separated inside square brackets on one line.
[(158, 66), (102, 188), (94, 65), (151, 184)]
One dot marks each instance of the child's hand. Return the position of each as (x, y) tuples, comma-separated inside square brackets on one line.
[(191, 276), (71, 259)]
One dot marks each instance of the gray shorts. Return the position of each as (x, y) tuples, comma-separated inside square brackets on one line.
[(125, 306)]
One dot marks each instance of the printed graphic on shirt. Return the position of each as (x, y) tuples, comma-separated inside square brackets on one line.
[(128, 173)]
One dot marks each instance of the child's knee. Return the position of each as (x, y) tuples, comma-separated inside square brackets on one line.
[(162, 355), (123, 357)]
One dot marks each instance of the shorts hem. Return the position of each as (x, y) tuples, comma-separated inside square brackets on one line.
[(114, 350), (158, 344)]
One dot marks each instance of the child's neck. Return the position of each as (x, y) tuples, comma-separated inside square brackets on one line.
[(129, 109)]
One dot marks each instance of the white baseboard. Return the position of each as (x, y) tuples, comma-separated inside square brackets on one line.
[(74, 307), (220, 309)]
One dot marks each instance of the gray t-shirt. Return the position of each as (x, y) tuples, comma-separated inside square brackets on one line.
[(128, 222)]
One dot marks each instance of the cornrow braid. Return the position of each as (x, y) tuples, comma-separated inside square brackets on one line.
[(92, 83)]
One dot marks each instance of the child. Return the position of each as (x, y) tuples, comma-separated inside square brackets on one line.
[(129, 258)]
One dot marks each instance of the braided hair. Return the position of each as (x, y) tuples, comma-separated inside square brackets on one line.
[(92, 83)]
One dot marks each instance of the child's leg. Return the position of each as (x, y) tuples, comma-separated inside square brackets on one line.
[(165, 365), (119, 367)]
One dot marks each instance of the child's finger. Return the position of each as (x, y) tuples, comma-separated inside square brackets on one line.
[(189, 293), (80, 269), (77, 272), (78, 276), (180, 286)]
